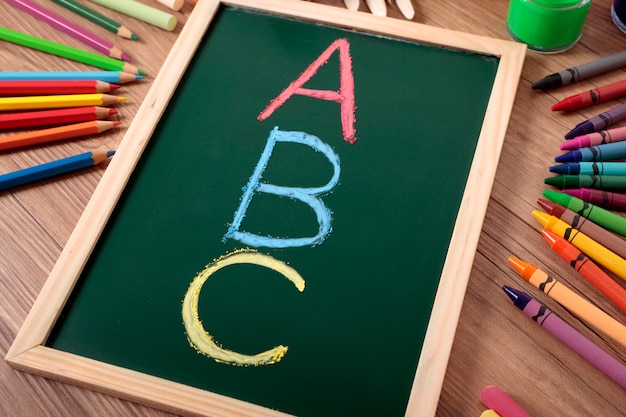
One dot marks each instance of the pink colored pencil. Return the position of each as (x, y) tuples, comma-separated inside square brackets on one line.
[(75, 31)]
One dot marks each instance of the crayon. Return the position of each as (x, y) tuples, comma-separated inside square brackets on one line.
[(599, 122), (78, 55), (606, 238), (97, 18), (582, 72), (591, 97), (599, 182), (141, 12), (489, 413), (592, 272), (114, 77), (584, 243), (54, 134), (607, 199), (596, 138), (568, 335), (54, 117), (494, 398), (88, 38), (576, 304), (598, 215), (57, 101), (54, 168), (42, 88), (597, 153), (587, 168)]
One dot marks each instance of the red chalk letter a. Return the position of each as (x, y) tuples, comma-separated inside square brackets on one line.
[(345, 95)]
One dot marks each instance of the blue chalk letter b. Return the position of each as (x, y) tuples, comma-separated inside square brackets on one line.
[(309, 196)]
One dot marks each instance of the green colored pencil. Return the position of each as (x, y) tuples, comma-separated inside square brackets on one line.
[(90, 58), (97, 18)]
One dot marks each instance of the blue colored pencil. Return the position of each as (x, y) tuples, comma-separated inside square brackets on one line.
[(115, 77), (50, 169)]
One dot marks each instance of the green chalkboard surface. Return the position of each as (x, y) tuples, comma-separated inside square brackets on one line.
[(355, 333)]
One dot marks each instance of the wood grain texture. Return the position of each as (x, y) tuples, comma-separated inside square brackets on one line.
[(494, 342)]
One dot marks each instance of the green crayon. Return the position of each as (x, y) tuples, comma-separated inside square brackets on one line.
[(598, 215), (599, 182)]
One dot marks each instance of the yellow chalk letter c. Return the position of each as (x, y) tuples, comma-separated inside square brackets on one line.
[(201, 340)]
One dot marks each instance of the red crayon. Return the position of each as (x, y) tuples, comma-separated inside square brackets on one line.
[(54, 117), (591, 97), (606, 238), (592, 272), (54, 87), (607, 199), (596, 138)]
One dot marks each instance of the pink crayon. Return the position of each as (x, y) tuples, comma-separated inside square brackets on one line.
[(595, 138), (607, 199)]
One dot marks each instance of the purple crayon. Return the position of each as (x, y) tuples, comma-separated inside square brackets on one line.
[(596, 138), (607, 199), (599, 122), (571, 337)]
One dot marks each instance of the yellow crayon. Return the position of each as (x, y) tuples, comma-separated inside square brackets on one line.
[(580, 307), (584, 243)]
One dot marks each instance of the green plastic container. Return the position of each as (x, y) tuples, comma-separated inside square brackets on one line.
[(547, 25)]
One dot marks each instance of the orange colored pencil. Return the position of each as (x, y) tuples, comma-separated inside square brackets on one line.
[(54, 117), (56, 134), (43, 88)]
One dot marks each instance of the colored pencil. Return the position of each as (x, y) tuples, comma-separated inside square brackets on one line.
[(591, 97), (54, 134), (54, 168), (42, 88), (577, 305), (592, 272), (97, 18), (54, 48), (141, 12), (88, 38), (54, 117), (57, 101), (595, 138), (114, 77)]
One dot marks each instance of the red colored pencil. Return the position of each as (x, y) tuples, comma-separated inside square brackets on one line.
[(56, 87), (54, 117), (592, 272), (591, 97)]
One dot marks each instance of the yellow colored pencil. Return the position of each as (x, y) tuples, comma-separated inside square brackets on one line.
[(57, 101)]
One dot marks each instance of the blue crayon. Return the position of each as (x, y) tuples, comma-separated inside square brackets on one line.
[(599, 122), (590, 168), (598, 153)]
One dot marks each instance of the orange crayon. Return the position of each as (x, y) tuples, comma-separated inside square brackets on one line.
[(584, 243), (592, 272), (55, 134), (580, 307)]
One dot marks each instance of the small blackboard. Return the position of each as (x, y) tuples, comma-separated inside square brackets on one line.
[(289, 224)]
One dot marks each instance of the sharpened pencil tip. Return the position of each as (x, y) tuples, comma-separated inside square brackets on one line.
[(122, 99), (110, 153), (134, 37), (112, 112), (114, 86), (117, 123), (142, 73)]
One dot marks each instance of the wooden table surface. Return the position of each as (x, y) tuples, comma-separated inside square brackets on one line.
[(495, 344)]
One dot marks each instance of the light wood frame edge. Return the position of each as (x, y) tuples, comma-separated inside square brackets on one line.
[(29, 353)]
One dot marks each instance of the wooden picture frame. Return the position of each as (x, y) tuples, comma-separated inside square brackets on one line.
[(29, 351)]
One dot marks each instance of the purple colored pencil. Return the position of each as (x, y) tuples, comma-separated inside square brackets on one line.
[(75, 31), (607, 199), (571, 337), (596, 138)]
